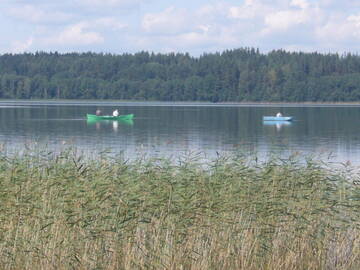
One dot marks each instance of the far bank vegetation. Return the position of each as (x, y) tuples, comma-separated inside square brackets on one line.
[(237, 75)]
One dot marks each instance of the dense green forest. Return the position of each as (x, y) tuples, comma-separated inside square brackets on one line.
[(234, 75)]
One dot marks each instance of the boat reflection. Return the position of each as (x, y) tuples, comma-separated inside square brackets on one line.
[(115, 123), (277, 124)]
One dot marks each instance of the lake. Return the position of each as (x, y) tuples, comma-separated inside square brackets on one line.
[(176, 129)]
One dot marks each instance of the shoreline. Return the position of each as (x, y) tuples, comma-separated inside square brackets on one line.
[(4, 102)]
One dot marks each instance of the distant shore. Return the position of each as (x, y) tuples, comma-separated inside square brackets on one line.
[(110, 102)]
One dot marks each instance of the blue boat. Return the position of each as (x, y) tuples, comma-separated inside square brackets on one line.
[(277, 118)]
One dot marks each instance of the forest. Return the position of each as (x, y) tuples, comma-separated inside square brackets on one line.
[(238, 75)]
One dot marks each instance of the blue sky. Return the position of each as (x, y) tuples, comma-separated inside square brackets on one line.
[(197, 26)]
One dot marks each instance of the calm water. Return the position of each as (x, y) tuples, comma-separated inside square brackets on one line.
[(161, 129)]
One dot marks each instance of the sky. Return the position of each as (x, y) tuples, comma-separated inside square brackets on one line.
[(193, 26)]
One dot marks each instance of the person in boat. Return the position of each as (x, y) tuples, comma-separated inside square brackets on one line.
[(98, 112), (279, 114), (116, 113)]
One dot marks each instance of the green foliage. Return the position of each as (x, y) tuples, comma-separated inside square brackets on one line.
[(242, 74)]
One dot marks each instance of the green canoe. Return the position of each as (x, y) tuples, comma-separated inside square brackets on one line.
[(94, 117)]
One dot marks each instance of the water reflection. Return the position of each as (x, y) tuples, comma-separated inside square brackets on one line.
[(171, 130), (278, 124), (99, 124), (115, 125)]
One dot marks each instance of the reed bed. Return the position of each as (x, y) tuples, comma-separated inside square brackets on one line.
[(62, 211)]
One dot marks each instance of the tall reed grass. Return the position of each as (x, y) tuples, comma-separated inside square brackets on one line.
[(61, 211)]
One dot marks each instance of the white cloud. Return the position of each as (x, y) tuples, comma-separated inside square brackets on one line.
[(338, 31), (204, 38), (300, 13), (283, 20), (109, 23), (299, 47), (109, 3), (212, 11), (170, 21), (75, 35), (37, 15), (193, 39), (326, 2), (303, 4), (355, 20), (176, 43), (184, 26), (249, 10), (182, 29), (226, 26), (22, 46)]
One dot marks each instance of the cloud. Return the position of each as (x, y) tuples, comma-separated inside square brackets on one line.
[(249, 10), (35, 14), (338, 31), (176, 43), (283, 20), (76, 34), (22, 46), (109, 3), (108, 23), (298, 16), (303, 4), (211, 11), (197, 26), (169, 22), (218, 25), (354, 20), (298, 47)]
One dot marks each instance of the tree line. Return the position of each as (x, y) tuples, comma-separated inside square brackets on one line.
[(237, 75)]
